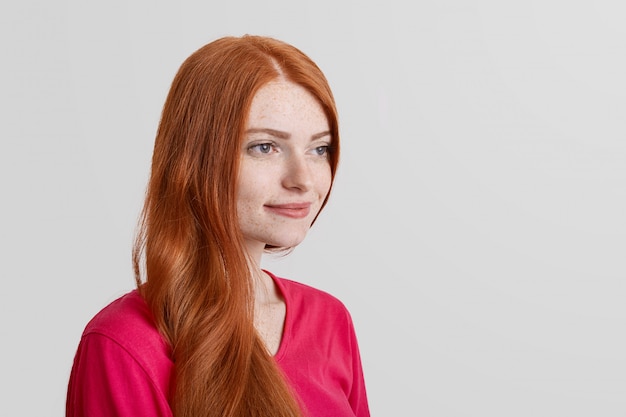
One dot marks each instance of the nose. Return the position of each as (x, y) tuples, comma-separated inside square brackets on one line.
[(298, 173)]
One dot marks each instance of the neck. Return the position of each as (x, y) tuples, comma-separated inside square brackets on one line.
[(265, 291)]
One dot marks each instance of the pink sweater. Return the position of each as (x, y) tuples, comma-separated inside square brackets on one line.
[(123, 366)]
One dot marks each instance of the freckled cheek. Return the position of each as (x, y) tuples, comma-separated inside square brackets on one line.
[(249, 202), (323, 182), (248, 198), (251, 189)]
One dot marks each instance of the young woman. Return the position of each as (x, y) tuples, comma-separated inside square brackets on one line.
[(244, 160)]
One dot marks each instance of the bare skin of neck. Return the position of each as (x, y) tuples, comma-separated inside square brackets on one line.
[(269, 310)]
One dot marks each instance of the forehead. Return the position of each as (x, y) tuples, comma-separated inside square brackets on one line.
[(282, 102)]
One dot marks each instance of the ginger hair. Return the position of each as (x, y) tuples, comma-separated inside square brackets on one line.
[(189, 258)]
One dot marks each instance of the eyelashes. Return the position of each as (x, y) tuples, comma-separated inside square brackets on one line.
[(262, 148), (268, 148), (322, 150)]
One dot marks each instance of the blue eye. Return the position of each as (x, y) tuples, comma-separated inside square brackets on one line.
[(262, 147), (321, 150)]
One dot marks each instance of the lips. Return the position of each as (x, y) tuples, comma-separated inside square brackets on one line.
[(291, 210)]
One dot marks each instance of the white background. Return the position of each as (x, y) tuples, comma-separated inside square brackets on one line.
[(477, 230)]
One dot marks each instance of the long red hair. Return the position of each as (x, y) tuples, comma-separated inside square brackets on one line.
[(189, 258)]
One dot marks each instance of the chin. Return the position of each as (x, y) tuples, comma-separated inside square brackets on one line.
[(286, 241)]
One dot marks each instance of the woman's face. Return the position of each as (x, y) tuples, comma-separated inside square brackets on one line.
[(285, 172)]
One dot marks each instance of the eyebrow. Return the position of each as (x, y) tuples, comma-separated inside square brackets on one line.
[(284, 135)]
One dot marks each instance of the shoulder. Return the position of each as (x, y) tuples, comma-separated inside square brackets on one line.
[(304, 290), (122, 365), (315, 301), (127, 321), (127, 313)]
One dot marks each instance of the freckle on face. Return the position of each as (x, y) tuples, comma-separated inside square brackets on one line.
[(285, 107)]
